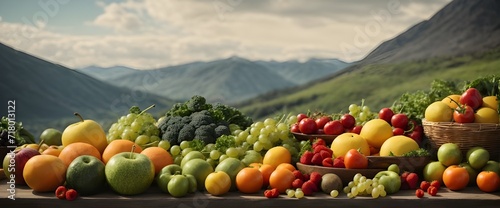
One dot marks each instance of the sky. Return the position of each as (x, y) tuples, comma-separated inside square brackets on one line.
[(148, 34)]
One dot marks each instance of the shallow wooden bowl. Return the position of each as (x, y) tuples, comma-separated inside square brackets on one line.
[(345, 174), (411, 164), (304, 137)]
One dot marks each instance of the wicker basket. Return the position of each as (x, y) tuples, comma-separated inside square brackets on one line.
[(465, 135)]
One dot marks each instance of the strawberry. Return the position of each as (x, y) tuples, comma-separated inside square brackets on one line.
[(61, 192), (436, 184), (317, 159), (419, 193), (309, 188), (71, 194), (307, 176), (432, 190), (317, 149), (272, 193), (338, 162), (318, 142), (298, 175), (424, 185), (412, 180), (327, 162), (316, 178), (306, 158), (297, 183), (325, 154)]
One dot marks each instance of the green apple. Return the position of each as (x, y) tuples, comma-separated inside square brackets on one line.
[(472, 173), (434, 171), (394, 168), (13, 163), (390, 180), (86, 175), (129, 173), (191, 155), (178, 186), (449, 154), (477, 157), (231, 166), (251, 156), (51, 136), (493, 166), (200, 169), (164, 176), (87, 131)]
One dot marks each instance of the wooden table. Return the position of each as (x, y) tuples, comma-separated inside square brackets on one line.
[(25, 197)]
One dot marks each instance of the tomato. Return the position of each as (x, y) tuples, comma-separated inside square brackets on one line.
[(416, 135), (486, 115), (308, 126), (386, 114), (353, 159), (472, 97), (249, 180), (488, 181), (399, 120), (321, 121), (356, 129), (301, 116), (334, 128), (463, 114), (218, 183), (348, 121), (455, 177), (295, 128), (398, 131)]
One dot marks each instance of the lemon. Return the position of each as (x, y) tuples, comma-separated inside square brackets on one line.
[(449, 101), (490, 102), (347, 141), (486, 115), (438, 112), (398, 145), (376, 131)]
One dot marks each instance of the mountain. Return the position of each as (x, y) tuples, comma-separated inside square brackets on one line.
[(227, 80), (103, 73), (47, 94), (460, 42), (460, 28)]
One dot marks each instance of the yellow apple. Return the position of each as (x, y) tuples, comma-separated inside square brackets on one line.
[(87, 131)]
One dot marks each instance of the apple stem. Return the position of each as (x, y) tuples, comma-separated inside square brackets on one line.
[(79, 116), (152, 106), (40, 144), (132, 152)]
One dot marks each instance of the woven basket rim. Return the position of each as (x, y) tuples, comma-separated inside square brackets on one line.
[(462, 126)]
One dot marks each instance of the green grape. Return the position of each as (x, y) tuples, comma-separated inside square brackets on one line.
[(299, 194), (353, 108), (258, 146), (381, 187), (356, 178), (268, 145), (214, 154), (154, 138), (362, 179), (184, 145), (347, 189), (264, 132), (354, 191), (209, 147), (212, 162), (269, 121), (243, 135), (366, 109), (251, 139), (383, 193), (178, 159), (361, 187), (232, 152), (237, 132), (142, 140), (292, 119), (290, 193), (164, 144), (175, 150), (136, 126), (369, 190), (223, 157), (259, 125), (334, 193), (375, 193), (130, 118), (254, 131), (186, 151), (282, 127), (271, 128), (350, 195)]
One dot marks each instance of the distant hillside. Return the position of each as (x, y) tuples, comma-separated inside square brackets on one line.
[(47, 95), (460, 28), (104, 73), (228, 80)]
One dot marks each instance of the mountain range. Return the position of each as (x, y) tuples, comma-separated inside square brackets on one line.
[(228, 80)]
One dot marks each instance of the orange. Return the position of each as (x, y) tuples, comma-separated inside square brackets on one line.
[(73, 150), (44, 173), (266, 171), (281, 179), (488, 181), (249, 180), (287, 166), (159, 156), (52, 150), (455, 177), (276, 156), (118, 146)]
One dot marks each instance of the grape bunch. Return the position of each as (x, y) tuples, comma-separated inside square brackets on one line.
[(361, 186), (137, 126), (361, 113)]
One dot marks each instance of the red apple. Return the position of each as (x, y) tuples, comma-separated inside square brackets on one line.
[(16, 166)]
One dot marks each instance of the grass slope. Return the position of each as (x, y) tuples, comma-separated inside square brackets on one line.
[(380, 85)]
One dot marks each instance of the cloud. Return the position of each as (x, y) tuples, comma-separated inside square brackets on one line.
[(149, 34)]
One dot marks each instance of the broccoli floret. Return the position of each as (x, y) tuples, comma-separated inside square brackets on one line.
[(172, 133), (186, 133), (197, 103), (186, 119), (225, 141), (201, 118), (206, 133), (178, 109), (221, 130), (230, 114)]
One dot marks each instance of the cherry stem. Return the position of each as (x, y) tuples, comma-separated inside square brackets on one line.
[(152, 106), (78, 115)]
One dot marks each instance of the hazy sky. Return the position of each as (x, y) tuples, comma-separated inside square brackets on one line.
[(153, 33)]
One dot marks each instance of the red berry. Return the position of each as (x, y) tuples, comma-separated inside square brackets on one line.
[(338, 162), (306, 158), (297, 183), (327, 162), (317, 159), (298, 175), (436, 184), (318, 142), (412, 180), (432, 190), (309, 188), (419, 193), (318, 149), (424, 185), (272, 193), (325, 154), (71, 194), (315, 178), (61, 192)]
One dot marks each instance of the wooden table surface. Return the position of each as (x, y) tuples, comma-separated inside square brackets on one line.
[(25, 197)]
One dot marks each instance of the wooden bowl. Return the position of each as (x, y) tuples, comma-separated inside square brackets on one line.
[(304, 137), (345, 174), (411, 164)]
